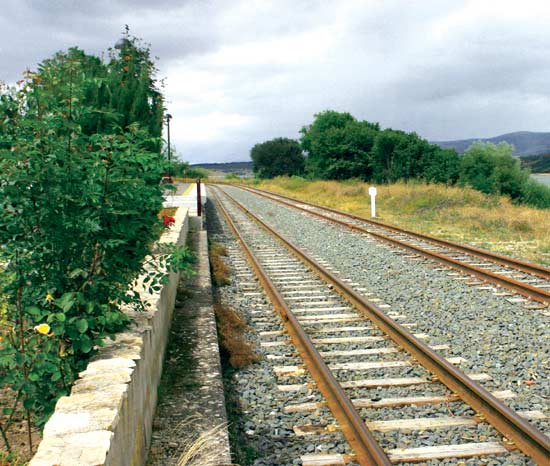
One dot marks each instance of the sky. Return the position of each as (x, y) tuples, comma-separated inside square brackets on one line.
[(240, 72)]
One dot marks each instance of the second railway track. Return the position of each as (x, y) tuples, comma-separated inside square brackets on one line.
[(532, 281), (327, 321)]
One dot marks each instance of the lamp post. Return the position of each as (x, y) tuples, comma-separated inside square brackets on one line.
[(123, 42), (168, 118)]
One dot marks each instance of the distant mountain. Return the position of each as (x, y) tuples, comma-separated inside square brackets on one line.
[(225, 166), (525, 143)]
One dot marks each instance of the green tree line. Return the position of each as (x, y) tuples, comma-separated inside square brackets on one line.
[(337, 146)]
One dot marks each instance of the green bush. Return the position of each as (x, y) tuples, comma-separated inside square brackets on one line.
[(291, 183), (232, 176), (79, 215), (535, 194), (178, 168), (183, 170), (196, 172), (492, 169)]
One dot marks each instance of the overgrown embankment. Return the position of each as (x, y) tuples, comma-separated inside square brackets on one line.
[(455, 213)]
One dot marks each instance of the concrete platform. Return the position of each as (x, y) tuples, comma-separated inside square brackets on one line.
[(187, 199)]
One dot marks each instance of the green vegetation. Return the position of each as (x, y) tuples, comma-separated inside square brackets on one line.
[(281, 156), (339, 147), (492, 169), (183, 170), (80, 170), (452, 212), (232, 176)]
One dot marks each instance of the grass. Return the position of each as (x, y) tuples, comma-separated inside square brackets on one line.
[(202, 450), (168, 211), (220, 271), (454, 213), (231, 324), (232, 328), (12, 460)]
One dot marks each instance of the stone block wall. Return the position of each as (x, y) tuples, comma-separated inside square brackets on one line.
[(107, 419)]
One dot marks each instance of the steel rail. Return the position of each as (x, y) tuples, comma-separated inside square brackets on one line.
[(533, 269), (525, 289), (523, 434), (361, 440)]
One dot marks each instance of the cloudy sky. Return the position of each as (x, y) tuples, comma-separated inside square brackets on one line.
[(239, 72)]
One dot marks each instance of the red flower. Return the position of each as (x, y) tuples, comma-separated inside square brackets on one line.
[(125, 68), (127, 58), (168, 221)]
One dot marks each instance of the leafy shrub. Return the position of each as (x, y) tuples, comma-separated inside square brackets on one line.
[(196, 172), (535, 194), (79, 200), (183, 170), (492, 169), (291, 183), (179, 168)]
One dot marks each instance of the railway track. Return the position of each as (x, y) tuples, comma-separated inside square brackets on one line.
[(531, 281), (352, 347)]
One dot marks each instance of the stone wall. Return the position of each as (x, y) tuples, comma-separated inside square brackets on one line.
[(107, 419)]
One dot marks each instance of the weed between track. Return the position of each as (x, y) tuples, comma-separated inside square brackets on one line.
[(232, 328), (220, 271), (242, 451)]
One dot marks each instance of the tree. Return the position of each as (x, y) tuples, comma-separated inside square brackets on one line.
[(398, 155), (384, 157), (134, 92), (121, 92), (440, 165), (338, 146), (492, 169), (277, 157)]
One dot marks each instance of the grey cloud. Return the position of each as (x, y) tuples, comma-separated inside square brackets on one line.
[(444, 69)]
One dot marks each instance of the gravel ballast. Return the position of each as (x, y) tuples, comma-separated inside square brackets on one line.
[(261, 431), (497, 337)]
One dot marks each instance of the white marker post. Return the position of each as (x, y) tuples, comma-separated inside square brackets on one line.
[(372, 194)]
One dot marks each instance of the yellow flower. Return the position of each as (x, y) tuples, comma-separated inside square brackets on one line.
[(49, 297), (43, 329)]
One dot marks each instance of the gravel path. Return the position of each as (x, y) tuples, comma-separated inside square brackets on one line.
[(495, 336)]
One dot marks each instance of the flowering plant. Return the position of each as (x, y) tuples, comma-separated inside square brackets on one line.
[(80, 171), (168, 221)]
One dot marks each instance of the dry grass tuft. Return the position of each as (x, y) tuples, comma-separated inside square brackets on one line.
[(199, 450), (232, 329), (450, 212), (220, 271), (168, 211)]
